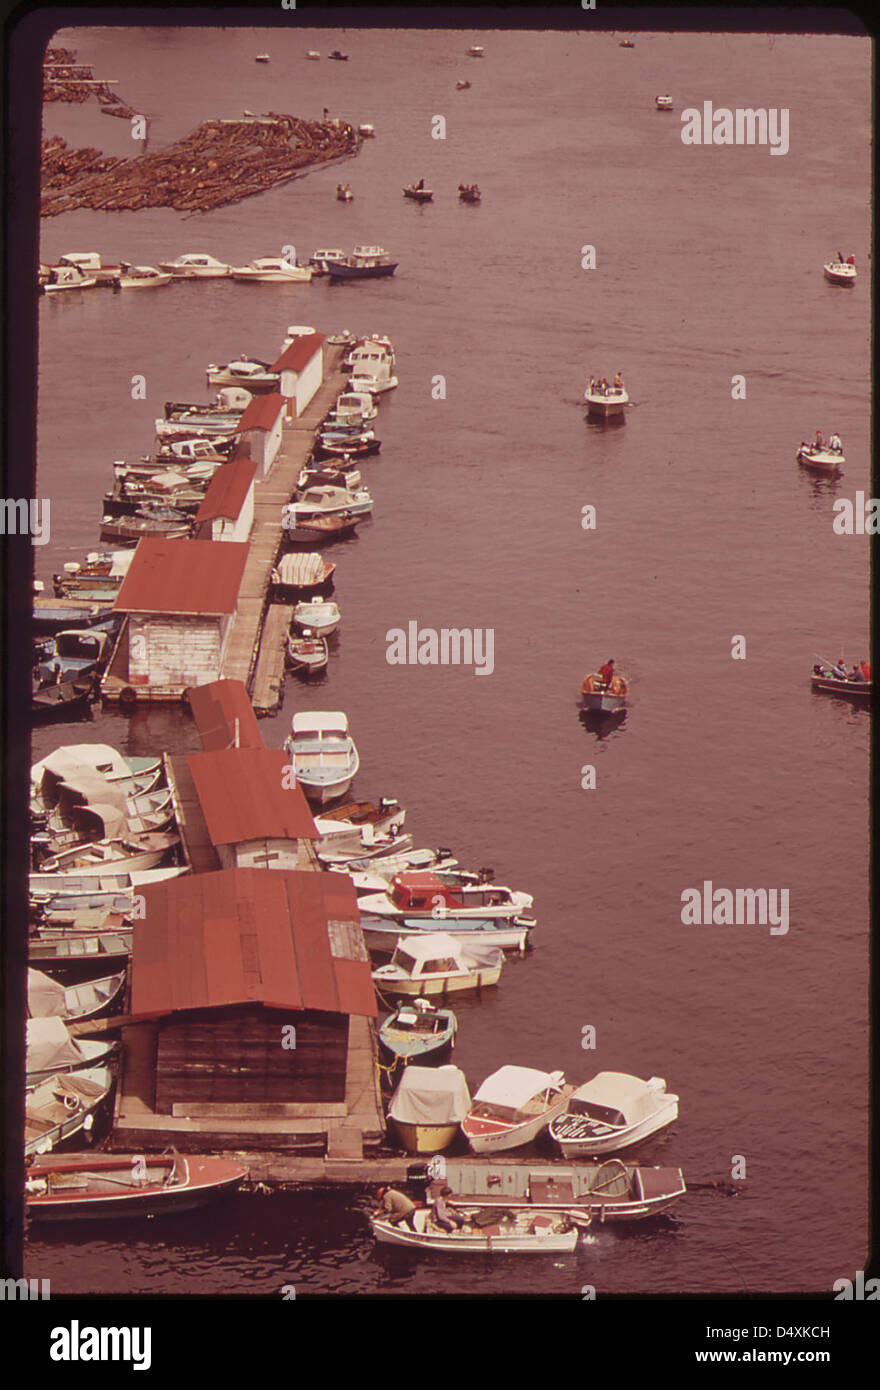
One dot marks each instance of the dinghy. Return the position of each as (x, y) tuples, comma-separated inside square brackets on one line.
[(307, 653), (841, 272), (418, 194), (601, 696), (48, 998), (419, 1033)]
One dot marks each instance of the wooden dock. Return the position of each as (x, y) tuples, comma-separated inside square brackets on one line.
[(262, 671)]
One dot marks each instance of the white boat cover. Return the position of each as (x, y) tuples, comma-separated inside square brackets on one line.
[(514, 1087), (432, 945), (50, 1045), (111, 820), (46, 998), (302, 570), (633, 1098), (81, 757), (431, 1096), (320, 722)]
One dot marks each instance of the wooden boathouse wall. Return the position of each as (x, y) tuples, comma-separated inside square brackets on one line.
[(235, 1057)]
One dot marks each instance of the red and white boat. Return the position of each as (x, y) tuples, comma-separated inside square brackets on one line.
[(841, 272), (84, 1186), (512, 1106)]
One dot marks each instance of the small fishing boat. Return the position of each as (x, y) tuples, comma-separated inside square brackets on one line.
[(337, 56), (462, 86), (295, 575), (165, 522), (313, 55), (271, 270), (307, 652), (90, 1186), (388, 815), (64, 1106), (195, 265), (515, 1233), (513, 1106), (822, 456), (254, 376), (604, 697), (48, 998), (318, 260), (322, 530), (841, 272), (261, 58), (322, 754), (370, 872), (320, 616), (127, 854), (141, 277), (608, 1191), (613, 1112), (437, 963), (663, 103), (606, 402), (51, 1050), (418, 1032), (364, 263), (366, 131), (428, 1105), (469, 193), (343, 195), (419, 193), (626, 43), (476, 51), (61, 700), (857, 685)]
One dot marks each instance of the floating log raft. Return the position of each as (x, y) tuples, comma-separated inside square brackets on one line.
[(64, 79), (221, 161)]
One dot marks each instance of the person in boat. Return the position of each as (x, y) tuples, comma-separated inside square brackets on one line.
[(395, 1206), (835, 444), (618, 382), (819, 442), (420, 185), (606, 672), (840, 670), (445, 1217)]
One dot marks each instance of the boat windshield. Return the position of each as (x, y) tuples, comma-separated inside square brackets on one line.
[(605, 1114)]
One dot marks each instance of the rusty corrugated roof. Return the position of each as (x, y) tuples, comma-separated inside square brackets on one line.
[(227, 490), (243, 796), (261, 412), (245, 936), (298, 353), (216, 707), (192, 577)]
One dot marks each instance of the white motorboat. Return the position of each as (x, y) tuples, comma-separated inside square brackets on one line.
[(381, 934), (142, 277), (253, 376), (613, 1112), (342, 842), (438, 964), (322, 754), (313, 55), (318, 260), (271, 270), (366, 130), (67, 277), (512, 1106), (604, 401), (321, 616), (323, 499), (841, 272), (51, 1049), (356, 405), (428, 1106), (62, 1106), (823, 456), (663, 103), (429, 895), (373, 874), (514, 1233), (195, 265)]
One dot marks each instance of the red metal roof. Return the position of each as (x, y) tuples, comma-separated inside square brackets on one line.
[(261, 412), (242, 796), (183, 577), (245, 936), (216, 707), (227, 490), (299, 353)]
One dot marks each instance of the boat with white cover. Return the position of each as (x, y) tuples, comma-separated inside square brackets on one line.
[(322, 753), (52, 1050), (512, 1106), (195, 265), (612, 1112), (517, 1233), (415, 1033), (428, 1106), (271, 270), (437, 963)]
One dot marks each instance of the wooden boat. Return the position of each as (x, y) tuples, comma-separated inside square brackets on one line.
[(141, 277), (336, 446), (298, 574), (128, 530), (48, 998), (195, 266), (663, 103), (429, 896), (513, 1106), (825, 458), (102, 881), (418, 194), (271, 270), (90, 1186), (62, 700), (51, 1051), (320, 616), (307, 653), (437, 963), (605, 402), (851, 688), (613, 1112), (428, 1106), (519, 1233), (64, 1106), (418, 1032), (124, 855), (609, 1191), (321, 530), (364, 263), (381, 934), (604, 699), (841, 272), (469, 193), (322, 753)]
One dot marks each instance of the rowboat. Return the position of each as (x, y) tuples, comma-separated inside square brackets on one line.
[(64, 1106), (613, 1112), (388, 815), (419, 195), (322, 754), (469, 193), (609, 1191), (437, 964), (850, 687), (307, 653), (513, 1106), (75, 955), (823, 457), (418, 1032), (320, 616), (520, 1233), (164, 522), (297, 574), (89, 1186), (48, 998), (603, 697), (427, 1107), (61, 700), (51, 1051), (841, 272)]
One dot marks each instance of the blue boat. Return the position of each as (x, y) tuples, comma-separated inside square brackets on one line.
[(416, 1031), (364, 263)]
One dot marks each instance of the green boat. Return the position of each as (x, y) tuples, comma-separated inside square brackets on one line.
[(416, 1031)]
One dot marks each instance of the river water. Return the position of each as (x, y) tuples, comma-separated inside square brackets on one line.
[(708, 266)]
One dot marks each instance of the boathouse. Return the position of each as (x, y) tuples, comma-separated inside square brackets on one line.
[(260, 429), (252, 1006), (227, 509), (179, 599), (301, 368), (255, 814), (224, 716)]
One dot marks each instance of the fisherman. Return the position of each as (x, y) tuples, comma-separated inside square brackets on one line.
[(420, 185), (840, 669), (819, 442), (606, 672), (835, 444), (618, 382), (445, 1217), (396, 1206)]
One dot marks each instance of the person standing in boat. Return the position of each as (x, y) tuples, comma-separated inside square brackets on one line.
[(835, 444), (618, 382), (819, 442), (606, 672)]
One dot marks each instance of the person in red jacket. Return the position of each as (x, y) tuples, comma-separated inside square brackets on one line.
[(606, 672)]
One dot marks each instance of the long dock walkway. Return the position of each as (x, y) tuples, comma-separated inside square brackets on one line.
[(264, 677)]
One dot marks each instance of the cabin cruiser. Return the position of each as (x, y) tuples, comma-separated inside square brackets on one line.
[(381, 934), (604, 401), (271, 269), (430, 895), (613, 1112), (327, 501), (254, 376), (67, 277), (318, 260), (841, 272), (438, 964), (513, 1106), (364, 263), (357, 405), (141, 277), (827, 455), (195, 266), (322, 754)]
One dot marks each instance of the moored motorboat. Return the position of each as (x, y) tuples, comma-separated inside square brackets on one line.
[(195, 265), (608, 1191), (611, 1112), (604, 401), (89, 1186), (319, 258), (271, 270), (51, 1051), (364, 263), (326, 500), (515, 1233), (438, 964), (429, 896), (141, 277), (513, 1106), (381, 934), (48, 998), (254, 376), (322, 754), (67, 277), (64, 1106), (307, 652), (419, 1033), (128, 854), (298, 574), (855, 685), (842, 271), (428, 1105), (321, 616)]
